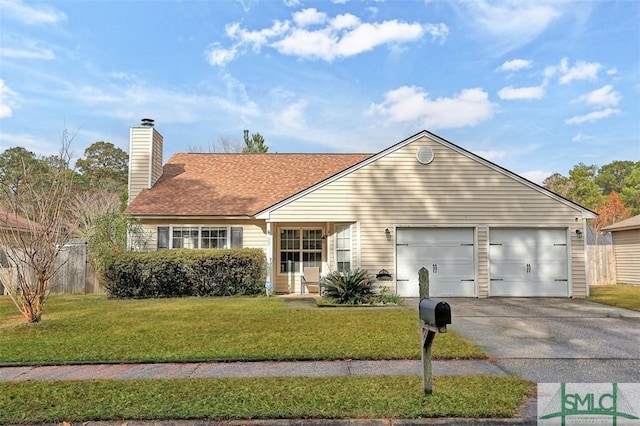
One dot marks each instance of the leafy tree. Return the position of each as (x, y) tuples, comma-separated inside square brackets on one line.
[(611, 177), (21, 169), (255, 144), (104, 165), (630, 193), (559, 184), (585, 190), (590, 186)]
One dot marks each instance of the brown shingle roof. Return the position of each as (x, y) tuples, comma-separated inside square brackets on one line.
[(234, 184), (11, 220)]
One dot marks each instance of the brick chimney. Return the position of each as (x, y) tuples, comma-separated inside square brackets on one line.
[(145, 157)]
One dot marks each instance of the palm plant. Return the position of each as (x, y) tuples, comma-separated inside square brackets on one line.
[(348, 288)]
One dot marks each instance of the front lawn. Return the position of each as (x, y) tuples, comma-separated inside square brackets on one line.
[(92, 329), (266, 398), (622, 296), (81, 329)]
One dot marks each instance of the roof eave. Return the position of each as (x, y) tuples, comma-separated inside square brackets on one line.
[(193, 217)]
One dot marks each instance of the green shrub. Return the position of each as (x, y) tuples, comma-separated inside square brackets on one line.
[(348, 288), (176, 273)]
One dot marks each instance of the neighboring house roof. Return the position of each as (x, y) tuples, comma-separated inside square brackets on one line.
[(13, 221), (624, 225), (234, 184)]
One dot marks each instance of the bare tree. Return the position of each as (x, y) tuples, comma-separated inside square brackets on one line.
[(224, 145), (37, 220)]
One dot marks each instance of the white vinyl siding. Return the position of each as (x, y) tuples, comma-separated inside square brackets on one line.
[(627, 248), (453, 190), (145, 159)]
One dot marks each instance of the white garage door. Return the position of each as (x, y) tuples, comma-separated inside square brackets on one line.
[(447, 253), (528, 262)]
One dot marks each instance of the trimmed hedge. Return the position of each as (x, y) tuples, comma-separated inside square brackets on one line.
[(177, 273)]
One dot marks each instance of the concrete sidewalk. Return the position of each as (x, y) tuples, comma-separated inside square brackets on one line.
[(245, 369)]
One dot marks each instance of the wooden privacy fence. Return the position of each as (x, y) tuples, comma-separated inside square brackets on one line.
[(601, 265), (76, 274)]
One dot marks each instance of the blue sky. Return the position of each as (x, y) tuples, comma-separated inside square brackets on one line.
[(534, 86)]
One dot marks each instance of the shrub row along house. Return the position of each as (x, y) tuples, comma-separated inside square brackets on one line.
[(479, 229)]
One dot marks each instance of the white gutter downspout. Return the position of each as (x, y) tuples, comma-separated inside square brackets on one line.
[(587, 278), (269, 284)]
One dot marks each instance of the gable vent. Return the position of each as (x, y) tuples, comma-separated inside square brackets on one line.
[(424, 155)]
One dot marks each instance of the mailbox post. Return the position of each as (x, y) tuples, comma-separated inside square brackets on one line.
[(434, 317)]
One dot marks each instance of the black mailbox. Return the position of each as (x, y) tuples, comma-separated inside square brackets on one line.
[(435, 312)]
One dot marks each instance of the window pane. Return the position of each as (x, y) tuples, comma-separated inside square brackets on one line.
[(185, 237), (289, 261), (343, 248), (312, 259), (236, 237), (297, 245), (213, 237), (163, 237)]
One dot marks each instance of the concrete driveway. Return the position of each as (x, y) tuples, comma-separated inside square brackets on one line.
[(550, 340)]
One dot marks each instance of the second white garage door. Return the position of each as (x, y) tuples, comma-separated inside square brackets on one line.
[(528, 262), (447, 253)]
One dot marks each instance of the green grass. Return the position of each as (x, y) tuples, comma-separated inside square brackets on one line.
[(92, 329), (269, 398), (622, 296)]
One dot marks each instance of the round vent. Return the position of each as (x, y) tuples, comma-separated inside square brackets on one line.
[(424, 155)]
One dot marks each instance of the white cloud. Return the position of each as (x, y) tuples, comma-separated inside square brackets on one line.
[(14, 47), (307, 17), (31, 14), (219, 56), (7, 100), (328, 44), (604, 96), (256, 39), (467, 108), (580, 71), (292, 116), (291, 3), (511, 93), (35, 145), (580, 137), (537, 176), (130, 101), (516, 65), (513, 23), (345, 21), (438, 31), (592, 116), (341, 36)]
